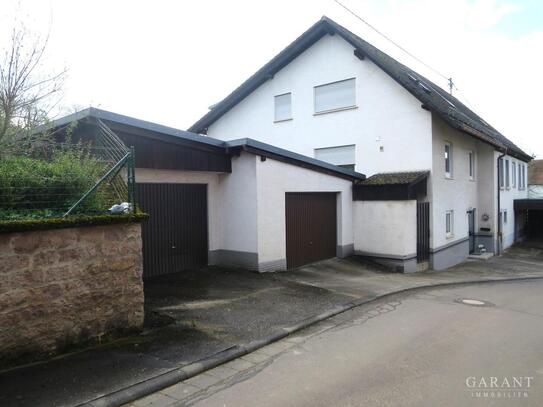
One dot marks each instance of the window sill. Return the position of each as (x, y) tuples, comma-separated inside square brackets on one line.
[(472, 180), (341, 109), (283, 120), (450, 177), (450, 236)]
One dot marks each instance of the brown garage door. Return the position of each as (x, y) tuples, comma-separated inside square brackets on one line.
[(311, 227), (175, 236)]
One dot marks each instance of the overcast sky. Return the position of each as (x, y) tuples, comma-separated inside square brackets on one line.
[(167, 61)]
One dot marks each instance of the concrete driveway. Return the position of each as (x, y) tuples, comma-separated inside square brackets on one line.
[(204, 314)]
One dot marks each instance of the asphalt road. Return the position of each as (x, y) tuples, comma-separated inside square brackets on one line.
[(423, 349)]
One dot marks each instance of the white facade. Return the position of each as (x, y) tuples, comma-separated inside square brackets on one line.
[(386, 116), (390, 133)]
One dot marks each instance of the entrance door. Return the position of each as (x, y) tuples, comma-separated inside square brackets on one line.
[(175, 235), (423, 231), (471, 229), (311, 227)]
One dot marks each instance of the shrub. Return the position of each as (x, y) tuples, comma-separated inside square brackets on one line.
[(34, 187)]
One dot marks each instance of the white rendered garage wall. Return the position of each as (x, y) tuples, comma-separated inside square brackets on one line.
[(385, 228), (274, 179), (386, 115), (237, 214), (192, 177)]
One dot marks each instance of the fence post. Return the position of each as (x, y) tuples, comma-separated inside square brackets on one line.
[(131, 179)]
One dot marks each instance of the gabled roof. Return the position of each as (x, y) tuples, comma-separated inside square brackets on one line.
[(433, 98), (172, 135)]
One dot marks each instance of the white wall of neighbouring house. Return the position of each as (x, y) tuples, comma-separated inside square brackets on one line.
[(388, 126), (508, 196), (385, 227), (457, 193), (192, 177), (274, 179)]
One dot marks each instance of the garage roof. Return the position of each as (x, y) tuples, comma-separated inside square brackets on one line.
[(433, 97), (163, 134)]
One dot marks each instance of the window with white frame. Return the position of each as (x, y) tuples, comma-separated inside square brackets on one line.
[(471, 158), (504, 216), (501, 174), (283, 107), (449, 223), (519, 176), (507, 178), (342, 156), (335, 96), (448, 160), (513, 174)]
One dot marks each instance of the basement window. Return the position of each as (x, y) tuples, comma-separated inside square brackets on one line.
[(335, 96), (283, 107), (449, 223)]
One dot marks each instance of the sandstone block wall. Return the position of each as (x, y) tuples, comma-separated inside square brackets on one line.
[(64, 287)]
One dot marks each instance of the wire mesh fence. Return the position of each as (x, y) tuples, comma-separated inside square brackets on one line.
[(54, 178)]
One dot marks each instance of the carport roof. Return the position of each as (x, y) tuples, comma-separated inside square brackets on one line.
[(227, 147)]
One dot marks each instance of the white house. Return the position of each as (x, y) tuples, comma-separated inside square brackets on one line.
[(441, 181)]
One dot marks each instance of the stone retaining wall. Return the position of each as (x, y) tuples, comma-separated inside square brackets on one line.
[(64, 287)]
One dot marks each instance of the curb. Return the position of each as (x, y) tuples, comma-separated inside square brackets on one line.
[(157, 383)]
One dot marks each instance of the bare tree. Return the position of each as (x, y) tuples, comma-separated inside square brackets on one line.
[(26, 93)]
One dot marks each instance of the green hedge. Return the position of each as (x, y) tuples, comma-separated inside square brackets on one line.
[(23, 225), (49, 184)]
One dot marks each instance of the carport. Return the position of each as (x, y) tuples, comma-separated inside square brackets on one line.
[(529, 219)]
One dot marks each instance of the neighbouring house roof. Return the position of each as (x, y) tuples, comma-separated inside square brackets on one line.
[(132, 130), (392, 186), (535, 172), (433, 98)]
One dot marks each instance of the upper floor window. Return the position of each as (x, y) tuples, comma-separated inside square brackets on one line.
[(471, 158), (335, 96), (513, 174), (283, 107), (501, 175), (507, 179), (342, 156), (449, 223), (448, 160)]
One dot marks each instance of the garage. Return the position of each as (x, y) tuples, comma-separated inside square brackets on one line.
[(175, 236), (311, 227)]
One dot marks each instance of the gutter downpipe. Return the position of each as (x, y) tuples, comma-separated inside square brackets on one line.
[(499, 236)]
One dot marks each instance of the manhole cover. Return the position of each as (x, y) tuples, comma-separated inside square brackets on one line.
[(473, 302)]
